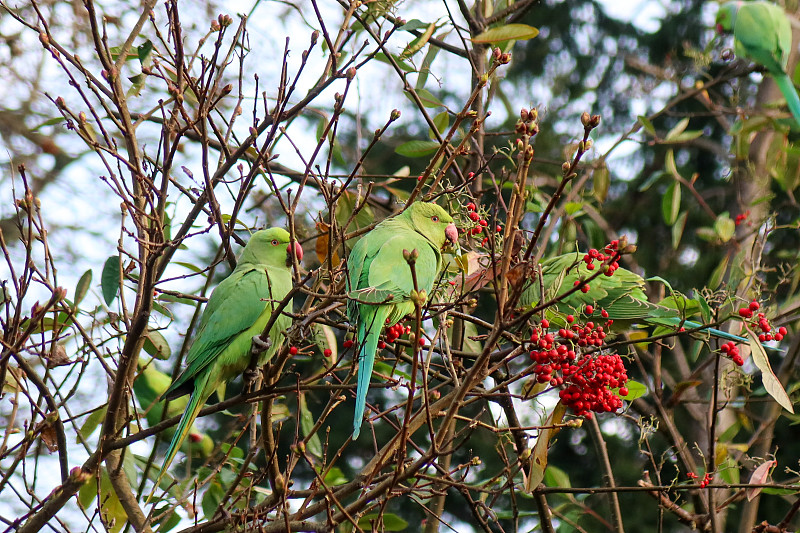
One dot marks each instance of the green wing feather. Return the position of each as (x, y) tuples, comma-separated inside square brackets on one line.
[(621, 295)]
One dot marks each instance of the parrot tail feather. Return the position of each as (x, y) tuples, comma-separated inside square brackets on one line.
[(196, 402), (368, 335), (789, 92)]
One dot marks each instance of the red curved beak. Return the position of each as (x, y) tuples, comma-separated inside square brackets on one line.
[(295, 248), (451, 233)]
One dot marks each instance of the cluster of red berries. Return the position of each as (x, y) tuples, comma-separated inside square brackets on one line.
[(595, 254), (731, 350), (481, 223), (707, 478), (588, 380), (742, 217), (393, 333), (590, 334), (763, 324), (591, 381)]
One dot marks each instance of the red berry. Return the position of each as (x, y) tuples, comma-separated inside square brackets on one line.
[(782, 331), (421, 341), (623, 391), (327, 352), (589, 309), (473, 216), (545, 323), (293, 350), (381, 345), (347, 344), (744, 312), (570, 319), (754, 306), (471, 207), (604, 313)]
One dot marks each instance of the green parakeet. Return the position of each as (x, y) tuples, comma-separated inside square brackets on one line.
[(238, 310), (620, 295), (380, 282), (762, 33), (148, 387)]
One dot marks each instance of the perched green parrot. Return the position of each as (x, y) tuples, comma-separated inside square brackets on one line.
[(237, 311), (620, 295), (762, 33), (148, 386), (380, 281)]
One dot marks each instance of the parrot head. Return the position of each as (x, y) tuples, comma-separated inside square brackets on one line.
[(432, 221), (271, 246), (726, 17)]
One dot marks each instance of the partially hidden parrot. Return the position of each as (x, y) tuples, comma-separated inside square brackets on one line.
[(620, 295), (380, 283), (762, 33), (148, 387), (237, 311)]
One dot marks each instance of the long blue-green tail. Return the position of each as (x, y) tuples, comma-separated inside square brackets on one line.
[(688, 324), (196, 402), (789, 92), (369, 332)]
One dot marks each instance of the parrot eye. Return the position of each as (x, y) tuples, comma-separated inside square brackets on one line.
[(274, 242), (435, 218)]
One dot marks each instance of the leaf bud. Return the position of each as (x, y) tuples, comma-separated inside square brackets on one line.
[(351, 73), (395, 114), (585, 118), (44, 39), (565, 166), (314, 37)]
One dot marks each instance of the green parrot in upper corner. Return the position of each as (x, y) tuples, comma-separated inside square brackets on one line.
[(621, 296), (762, 33), (148, 386), (380, 282), (237, 311)]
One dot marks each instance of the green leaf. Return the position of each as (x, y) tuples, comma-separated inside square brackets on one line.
[(144, 51), (426, 97), (213, 495), (49, 122), (654, 177), (391, 522), (417, 44), (425, 67), (647, 125), (413, 24), (601, 180), (189, 266), (441, 121), (719, 272), (335, 476), (417, 148), (507, 32), (82, 288), (109, 280), (677, 129), (724, 227), (555, 477), (405, 67), (677, 229), (156, 345), (635, 390), (92, 421), (771, 382), (671, 203), (313, 444)]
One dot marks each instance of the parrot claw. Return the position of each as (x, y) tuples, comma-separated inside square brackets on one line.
[(260, 345), (249, 376)]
